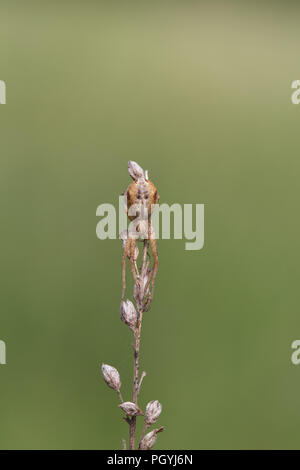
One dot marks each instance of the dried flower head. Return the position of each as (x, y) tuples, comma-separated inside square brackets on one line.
[(131, 409), (153, 410), (128, 314), (135, 171), (140, 199), (111, 377), (149, 440)]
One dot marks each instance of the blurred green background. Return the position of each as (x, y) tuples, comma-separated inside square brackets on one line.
[(198, 93)]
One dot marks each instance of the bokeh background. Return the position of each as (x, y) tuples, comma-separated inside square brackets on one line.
[(198, 93)]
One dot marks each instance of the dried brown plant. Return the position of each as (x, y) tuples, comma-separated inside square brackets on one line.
[(140, 197)]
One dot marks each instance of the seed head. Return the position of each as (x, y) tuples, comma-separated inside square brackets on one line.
[(153, 410), (128, 314), (135, 171), (111, 377), (149, 440), (131, 409)]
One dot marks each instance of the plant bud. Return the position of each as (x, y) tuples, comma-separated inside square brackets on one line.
[(111, 377), (135, 171), (128, 314), (131, 409), (153, 410), (149, 440)]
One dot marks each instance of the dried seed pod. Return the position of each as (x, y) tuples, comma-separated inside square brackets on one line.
[(128, 314), (131, 409), (111, 377), (139, 291), (135, 171), (153, 410), (149, 440)]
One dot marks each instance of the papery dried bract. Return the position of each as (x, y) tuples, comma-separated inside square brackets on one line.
[(111, 377), (128, 313), (131, 409), (149, 440), (153, 410), (135, 171)]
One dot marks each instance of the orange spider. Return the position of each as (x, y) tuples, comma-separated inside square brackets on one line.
[(140, 196)]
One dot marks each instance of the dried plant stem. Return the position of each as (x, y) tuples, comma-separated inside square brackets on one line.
[(145, 194), (144, 430), (137, 341), (132, 430)]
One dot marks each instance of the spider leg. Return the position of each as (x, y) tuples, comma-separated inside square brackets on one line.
[(153, 272), (136, 268), (124, 256), (132, 260), (155, 267), (149, 257)]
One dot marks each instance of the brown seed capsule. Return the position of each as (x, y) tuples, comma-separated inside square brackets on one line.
[(135, 171), (131, 409), (149, 440), (111, 377), (128, 314), (153, 410)]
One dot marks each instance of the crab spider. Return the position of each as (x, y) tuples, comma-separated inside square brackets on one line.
[(140, 197)]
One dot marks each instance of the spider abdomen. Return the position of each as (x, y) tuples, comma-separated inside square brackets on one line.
[(141, 192)]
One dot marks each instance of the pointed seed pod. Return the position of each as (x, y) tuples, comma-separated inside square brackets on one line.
[(135, 171), (128, 314), (111, 377), (131, 409), (149, 440), (137, 291), (153, 410)]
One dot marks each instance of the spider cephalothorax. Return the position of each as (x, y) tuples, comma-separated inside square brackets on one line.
[(140, 197)]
